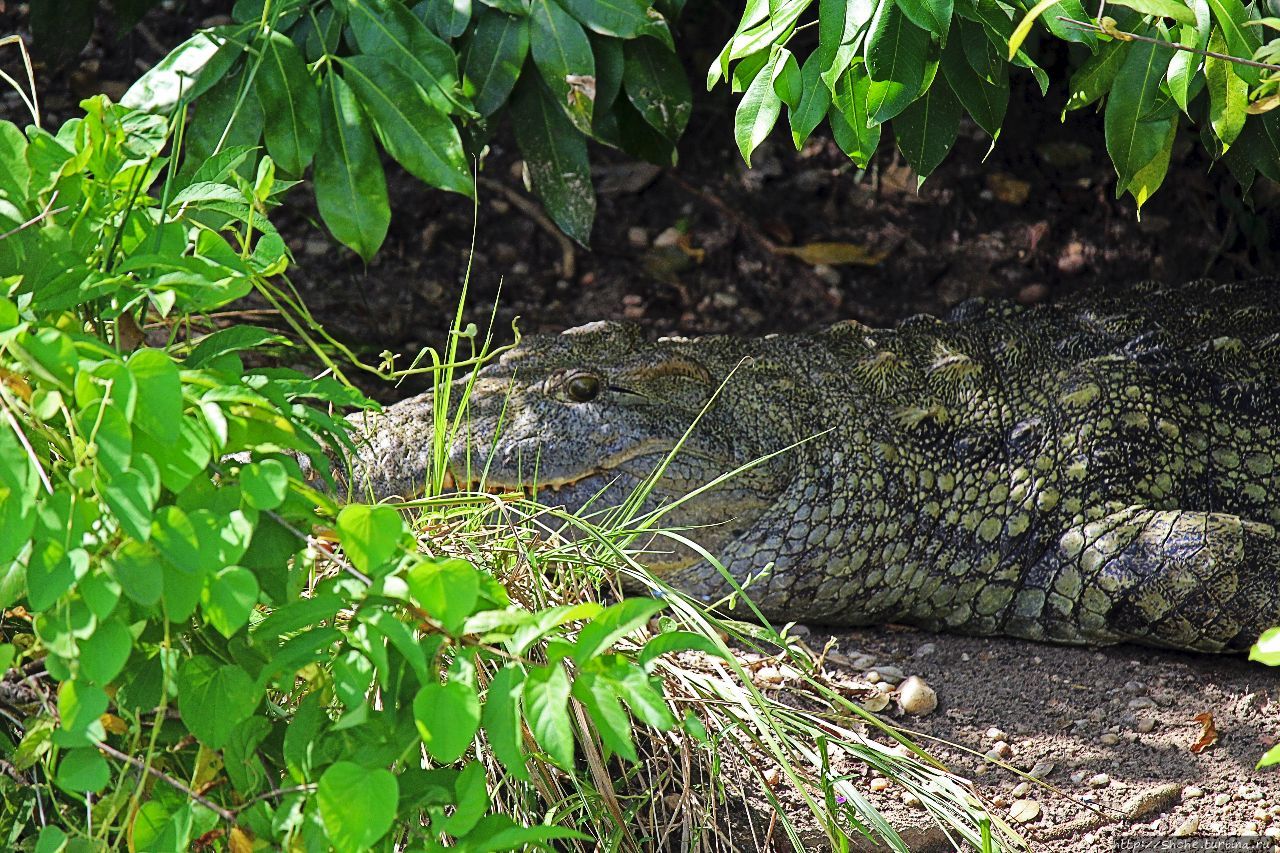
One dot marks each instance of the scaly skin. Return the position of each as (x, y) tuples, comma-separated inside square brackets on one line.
[(1100, 471)]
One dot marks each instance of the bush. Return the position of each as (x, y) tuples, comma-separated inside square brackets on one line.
[(203, 651)]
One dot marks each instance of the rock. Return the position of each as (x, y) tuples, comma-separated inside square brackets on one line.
[(1249, 793), (1187, 828), (1191, 792), (924, 650), (1079, 776), (1099, 780), (637, 236), (828, 274), (1041, 770), (1139, 703), (1020, 790), (994, 733), (1000, 751), (884, 687), (879, 784), (1109, 739), (912, 800), (916, 697), (1024, 811), (1145, 725), (1221, 799), (1134, 687), (768, 675), (891, 674), (667, 239)]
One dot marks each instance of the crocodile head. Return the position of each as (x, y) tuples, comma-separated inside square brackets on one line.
[(585, 416)]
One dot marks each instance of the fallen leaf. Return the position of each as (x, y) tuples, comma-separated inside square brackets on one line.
[(241, 841), (1208, 732), (113, 724), (1024, 811), (1263, 105), (1008, 189), (835, 254)]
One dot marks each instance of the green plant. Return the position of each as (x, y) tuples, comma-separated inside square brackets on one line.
[(202, 650), (319, 80), (917, 66)]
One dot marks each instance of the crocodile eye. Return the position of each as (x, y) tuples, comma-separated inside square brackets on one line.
[(583, 387)]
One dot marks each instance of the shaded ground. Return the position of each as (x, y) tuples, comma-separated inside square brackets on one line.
[(694, 250)]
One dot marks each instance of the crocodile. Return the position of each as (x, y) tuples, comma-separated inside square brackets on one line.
[(1102, 470)]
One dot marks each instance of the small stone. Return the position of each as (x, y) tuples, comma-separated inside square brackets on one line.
[(1250, 828), (1041, 770), (1261, 815), (1191, 792), (924, 650), (1109, 739), (994, 733), (827, 273), (724, 300), (879, 784), (884, 687), (1099, 780), (1187, 828), (768, 675), (1000, 751), (911, 800), (891, 674), (637, 236), (1145, 725), (916, 697), (1079, 776), (668, 239), (873, 677), (772, 776), (1272, 832), (1249, 793), (965, 656), (1221, 799), (1139, 703), (1020, 790), (1134, 687), (1024, 811)]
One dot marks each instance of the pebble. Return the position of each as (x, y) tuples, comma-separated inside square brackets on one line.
[(1020, 790), (1221, 799), (637, 236), (879, 784), (1134, 687), (768, 675), (1272, 832), (1099, 780), (1191, 792), (1145, 725), (1109, 739), (1000, 750), (667, 239), (912, 800), (1187, 828), (994, 733), (1041, 770), (884, 687), (891, 674), (924, 650), (916, 697), (1079, 776), (1249, 792), (827, 273)]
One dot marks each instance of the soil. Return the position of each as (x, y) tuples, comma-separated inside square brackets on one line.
[(702, 249)]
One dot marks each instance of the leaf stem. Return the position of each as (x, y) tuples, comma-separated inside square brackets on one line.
[(1127, 36)]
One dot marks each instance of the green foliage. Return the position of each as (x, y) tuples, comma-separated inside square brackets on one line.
[(277, 663), (318, 81), (918, 65)]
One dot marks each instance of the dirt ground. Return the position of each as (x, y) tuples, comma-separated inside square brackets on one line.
[(704, 248)]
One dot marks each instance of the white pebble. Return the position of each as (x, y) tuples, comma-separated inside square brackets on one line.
[(1145, 725), (1109, 739), (994, 733), (1099, 780), (1191, 792), (1221, 799), (1187, 828), (916, 697)]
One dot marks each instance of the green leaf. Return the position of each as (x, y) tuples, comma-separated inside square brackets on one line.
[(357, 804), (1161, 9), (840, 26), (1185, 65), (555, 155), (104, 654), (676, 641), (265, 484), (214, 699), (83, 770), (757, 113), (562, 55), (494, 57), (175, 536), (414, 132), (390, 31), (448, 717), (137, 567), (1267, 649), (625, 19), (446, 588), (229, 340), (1023, 29), (787, 80), (656, 85), (370, 535), (50, 573), (1242, 40), (896, 56), (229, 598), (224, 106), (1094, 78), (472, 800), (932, 15), (639, 692), (187, 71), (1130, 140), (815, 99), (986, 101), (1228, 93), (351, 189), (616, 621), (927, 129), (79, 707), (546, 706), (448, 18), (850, 125), (290, 103), (600, 697), (502, 721), (1148, 179), (159, 410)]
